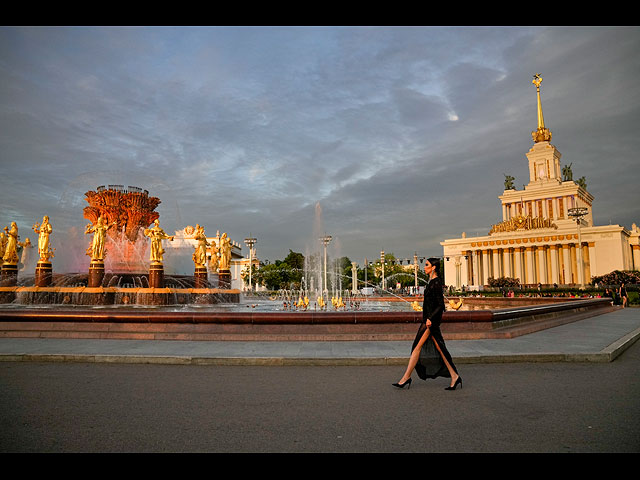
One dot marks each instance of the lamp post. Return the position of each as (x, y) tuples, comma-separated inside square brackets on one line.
[(325, 241), (384, 286), (366, 267), (578, 213), (415, 272), (250, 241)]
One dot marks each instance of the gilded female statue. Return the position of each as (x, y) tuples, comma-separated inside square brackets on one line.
[(11, 250), (157, 235), (97, 251), (214, 262), (43, 232), (225, 252), (200, 255), (3, 244)]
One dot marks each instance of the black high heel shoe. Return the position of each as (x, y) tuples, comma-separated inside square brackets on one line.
[(458, 381), (402, 385)]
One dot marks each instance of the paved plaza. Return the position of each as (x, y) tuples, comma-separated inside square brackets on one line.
[(572, 388), (599, 338)]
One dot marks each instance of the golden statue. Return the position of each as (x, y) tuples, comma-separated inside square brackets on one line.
[(200, 255), (455, 305), (225, 252), (97, 251), (320, 302), (215, 261), (157, 235), (11, 250), (43, 232), (3, 244)]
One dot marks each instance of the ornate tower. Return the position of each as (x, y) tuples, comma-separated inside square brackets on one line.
[(544, 158)]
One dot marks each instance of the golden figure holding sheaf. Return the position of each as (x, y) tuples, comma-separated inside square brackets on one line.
[(43, 231), (97, 250), (157, 235), (200, 255)]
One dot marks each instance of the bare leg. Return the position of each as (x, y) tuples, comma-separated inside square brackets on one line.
[(415, 355), (452, 372)]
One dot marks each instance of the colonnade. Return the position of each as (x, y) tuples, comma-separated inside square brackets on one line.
[(531, 263)]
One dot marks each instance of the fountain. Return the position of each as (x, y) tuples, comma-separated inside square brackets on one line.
[(122, 219), (125, 287)]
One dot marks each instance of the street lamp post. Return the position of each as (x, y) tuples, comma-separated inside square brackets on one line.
[(325, 241), (366, 267), (578, 213), (250, 241), (415, 272), (384, 287)]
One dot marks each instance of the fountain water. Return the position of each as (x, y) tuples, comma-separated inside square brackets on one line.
[(126, 294), (121, 271)]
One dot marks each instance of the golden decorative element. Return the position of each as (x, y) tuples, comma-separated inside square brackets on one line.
[(157, 235), (11, 249), (225, 252), (3, 244), (131, 208), (43, 232), (97, 251), (215, 260), (542, 134), (416, 306), (303, 303), (454, 305), (522, 222), (200, 255), (320, 302)]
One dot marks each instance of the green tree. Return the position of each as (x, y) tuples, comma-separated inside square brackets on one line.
[(295, 260)]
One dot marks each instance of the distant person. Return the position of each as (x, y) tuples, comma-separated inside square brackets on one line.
[(429, 355), (623, 295)]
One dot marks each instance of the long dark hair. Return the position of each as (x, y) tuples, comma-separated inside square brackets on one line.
[(435, 261)]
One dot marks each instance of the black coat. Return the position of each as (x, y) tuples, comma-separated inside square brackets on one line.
[(433, 305), (431, 362)]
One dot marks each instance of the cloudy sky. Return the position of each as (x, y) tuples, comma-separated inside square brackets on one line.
[(391, 138)]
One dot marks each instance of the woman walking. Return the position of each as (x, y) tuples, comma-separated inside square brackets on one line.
[(623, 295), (429, 355)]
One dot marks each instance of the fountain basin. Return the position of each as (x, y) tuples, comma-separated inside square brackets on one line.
[(84, 296), (239, 322)]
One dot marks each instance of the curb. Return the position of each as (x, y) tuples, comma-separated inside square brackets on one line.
[(608, 354)]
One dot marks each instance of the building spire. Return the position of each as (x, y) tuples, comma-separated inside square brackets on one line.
[(542, 134)]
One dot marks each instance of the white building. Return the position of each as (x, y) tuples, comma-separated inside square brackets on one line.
[(178, 256), (539, 240)]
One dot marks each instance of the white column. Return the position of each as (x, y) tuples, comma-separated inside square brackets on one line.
[(542, 259), (506, 261), (475, 258), (518, 264), (566, 257), (555, 273), (485, 266), (496, 263), (530, 267)]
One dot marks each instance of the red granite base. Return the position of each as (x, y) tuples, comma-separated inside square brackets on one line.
[(286, 326)]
